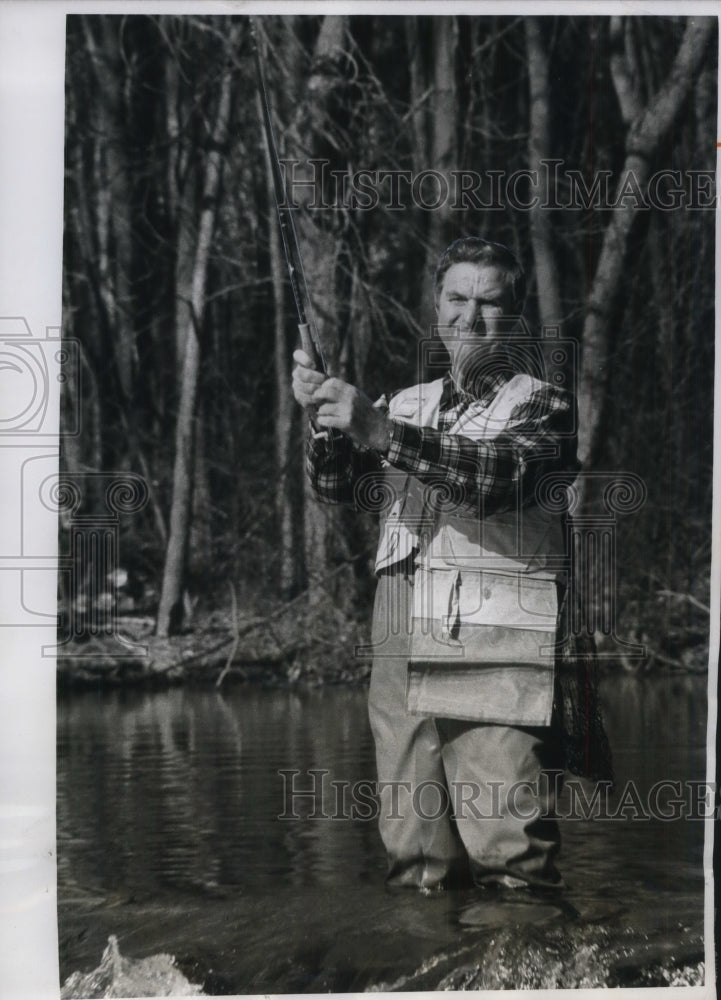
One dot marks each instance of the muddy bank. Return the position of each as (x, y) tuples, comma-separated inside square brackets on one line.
[(260, 649)]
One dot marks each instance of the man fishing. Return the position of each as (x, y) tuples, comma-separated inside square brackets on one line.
[(465, 704)]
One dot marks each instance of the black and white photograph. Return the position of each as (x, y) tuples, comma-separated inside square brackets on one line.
[(360, 588)]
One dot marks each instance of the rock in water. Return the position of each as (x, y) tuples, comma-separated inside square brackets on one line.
[(155, 976), (497, 914)]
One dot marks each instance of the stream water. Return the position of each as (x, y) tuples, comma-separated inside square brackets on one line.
[(169, 838)]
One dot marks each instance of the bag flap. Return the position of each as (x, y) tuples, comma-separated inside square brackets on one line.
[(454, 597), (518, 540), (482, 645), (505, 599)]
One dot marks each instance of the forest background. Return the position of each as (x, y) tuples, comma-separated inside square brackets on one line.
[(176, 293)]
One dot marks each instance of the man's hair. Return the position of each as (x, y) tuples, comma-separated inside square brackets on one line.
[(475, 250)]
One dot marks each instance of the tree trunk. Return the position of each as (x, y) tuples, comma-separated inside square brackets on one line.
[(644, 135), (419, 93), (443, 145), (283, 395), (319, 131), (539, 148), (170, 610)]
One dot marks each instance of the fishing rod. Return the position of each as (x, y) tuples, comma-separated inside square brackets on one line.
[(307, 329)]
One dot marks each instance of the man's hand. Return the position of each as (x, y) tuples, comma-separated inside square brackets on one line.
[(335, 403), (346, 408), (305, 380)]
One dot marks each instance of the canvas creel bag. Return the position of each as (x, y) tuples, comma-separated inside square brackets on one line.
[(482, 645)]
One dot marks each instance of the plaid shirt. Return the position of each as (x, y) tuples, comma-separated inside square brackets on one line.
[(484, 476)]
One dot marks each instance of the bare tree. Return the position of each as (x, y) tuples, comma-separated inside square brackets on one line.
[(539, 149), (647, 128), (170, 608), (320, 131), (284, 399), (443, 140)]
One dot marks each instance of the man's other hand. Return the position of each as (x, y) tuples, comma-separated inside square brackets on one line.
[(346, 408)]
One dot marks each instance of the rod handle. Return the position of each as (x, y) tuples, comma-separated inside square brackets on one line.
[(306, 342)]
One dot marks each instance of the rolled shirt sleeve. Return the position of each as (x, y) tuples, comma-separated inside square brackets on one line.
[(334, 466), (491, 475)]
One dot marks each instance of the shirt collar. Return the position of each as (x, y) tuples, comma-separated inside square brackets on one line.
[(485, 389)]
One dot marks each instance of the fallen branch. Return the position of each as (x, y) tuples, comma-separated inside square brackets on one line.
[(684, 597), (653, 654), (236, 637)]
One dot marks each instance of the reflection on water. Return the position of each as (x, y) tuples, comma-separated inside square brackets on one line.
[(169, 837)]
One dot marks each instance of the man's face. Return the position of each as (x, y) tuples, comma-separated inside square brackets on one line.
[(473, 301)]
